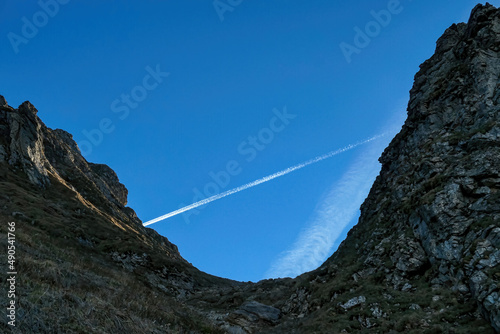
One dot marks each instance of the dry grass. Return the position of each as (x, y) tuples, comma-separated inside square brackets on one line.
[(66, 286)]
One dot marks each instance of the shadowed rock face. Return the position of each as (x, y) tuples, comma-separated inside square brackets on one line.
[(434, 210), (443, 169), (424, 256)]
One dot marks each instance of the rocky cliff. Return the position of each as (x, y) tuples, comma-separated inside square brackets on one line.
[(423, 258), (428, 240)]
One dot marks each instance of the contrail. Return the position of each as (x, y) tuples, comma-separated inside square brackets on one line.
[(337, 210), (262, 180)]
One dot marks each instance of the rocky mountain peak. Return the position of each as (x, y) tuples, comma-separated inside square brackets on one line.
[(43, 153)]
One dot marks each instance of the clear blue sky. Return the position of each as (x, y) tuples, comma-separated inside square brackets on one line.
[(228, 70)]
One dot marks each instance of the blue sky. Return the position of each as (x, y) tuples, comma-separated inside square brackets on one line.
[(169, 93)]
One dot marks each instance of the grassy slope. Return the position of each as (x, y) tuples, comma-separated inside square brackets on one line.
[(67, 280)]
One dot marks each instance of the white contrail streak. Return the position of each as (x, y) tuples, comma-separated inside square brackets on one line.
[(262, 180), (336, 211)]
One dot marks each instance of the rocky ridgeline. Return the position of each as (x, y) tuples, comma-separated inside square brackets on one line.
[(424, 256), (27, 144), (47, 156)]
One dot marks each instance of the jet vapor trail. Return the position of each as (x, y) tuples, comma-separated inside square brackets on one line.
[(262, 180)]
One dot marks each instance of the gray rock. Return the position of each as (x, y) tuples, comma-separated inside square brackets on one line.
[(353, 302), (415, 307), (377, 311), (253, 314), (261, 311)]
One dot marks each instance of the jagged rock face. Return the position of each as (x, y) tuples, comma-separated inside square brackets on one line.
[(435, 207), (39, 151), (24, 144), (47, 156), (449, 150)]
